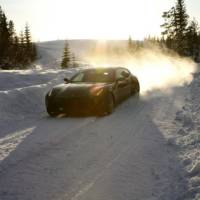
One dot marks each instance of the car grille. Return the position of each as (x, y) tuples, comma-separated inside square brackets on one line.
[(74, 103)]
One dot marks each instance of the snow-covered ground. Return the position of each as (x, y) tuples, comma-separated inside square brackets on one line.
[(188, 137), (148, 149)]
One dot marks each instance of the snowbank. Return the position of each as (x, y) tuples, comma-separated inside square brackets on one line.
[(184, 133)]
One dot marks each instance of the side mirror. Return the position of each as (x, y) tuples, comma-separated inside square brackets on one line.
[(125, 74), (66, 80), (121, 82)]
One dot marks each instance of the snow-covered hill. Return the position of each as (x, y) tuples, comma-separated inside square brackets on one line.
[(50, 53)]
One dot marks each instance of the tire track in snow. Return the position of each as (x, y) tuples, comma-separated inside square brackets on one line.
[(85, 188), (10, 142)]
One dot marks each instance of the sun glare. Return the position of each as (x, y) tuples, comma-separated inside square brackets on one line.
[(91, 19)]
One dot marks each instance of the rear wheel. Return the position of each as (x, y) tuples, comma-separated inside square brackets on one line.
[(135, 88), (51, 113)]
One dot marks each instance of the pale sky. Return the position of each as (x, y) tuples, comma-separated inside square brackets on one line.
[(91, 19)]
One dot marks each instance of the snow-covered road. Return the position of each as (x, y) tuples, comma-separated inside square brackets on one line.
[(124, 156)]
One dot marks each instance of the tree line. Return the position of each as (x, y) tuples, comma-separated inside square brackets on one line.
[(179, 33), (16, 51)]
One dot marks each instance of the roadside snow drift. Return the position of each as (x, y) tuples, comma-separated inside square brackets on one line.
[(188, 137)]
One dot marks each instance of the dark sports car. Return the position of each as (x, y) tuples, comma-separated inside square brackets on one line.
[(92, 90)]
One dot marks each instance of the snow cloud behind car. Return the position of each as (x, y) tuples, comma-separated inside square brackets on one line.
[(155, 69)]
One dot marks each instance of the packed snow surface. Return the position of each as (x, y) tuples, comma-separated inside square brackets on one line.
[(148, 149)]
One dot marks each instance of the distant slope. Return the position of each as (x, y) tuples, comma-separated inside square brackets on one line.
[(50, 52)]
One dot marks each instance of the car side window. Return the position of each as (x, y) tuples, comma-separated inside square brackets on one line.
[(119, 74), (78, 77), (127, 72)]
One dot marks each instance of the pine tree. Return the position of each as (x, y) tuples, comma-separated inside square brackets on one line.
[(4, 40), (11, 31), (22, 56), (74, 61), (181, 17), (27, 44), (30, 47), (193, 40), (11, 50), (66, 57), (175, 27), (27, 38), (180, 23), (21, 38), (169, 24), (15, 52)]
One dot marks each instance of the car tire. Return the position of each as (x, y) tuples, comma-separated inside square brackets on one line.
[(135, 88), (108, 107), (51, 113)]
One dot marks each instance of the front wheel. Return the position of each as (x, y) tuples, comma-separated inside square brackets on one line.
[(108, 106)]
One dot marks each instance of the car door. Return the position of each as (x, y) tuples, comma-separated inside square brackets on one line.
[(123, 86)]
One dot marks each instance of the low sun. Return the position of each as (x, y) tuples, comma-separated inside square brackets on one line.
[(91, 19)]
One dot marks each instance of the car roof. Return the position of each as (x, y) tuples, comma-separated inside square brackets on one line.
[(100, 68)]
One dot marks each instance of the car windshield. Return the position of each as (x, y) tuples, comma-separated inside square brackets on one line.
[(94, 76)]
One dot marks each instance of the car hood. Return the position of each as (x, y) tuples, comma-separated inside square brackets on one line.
[(76, 89)]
